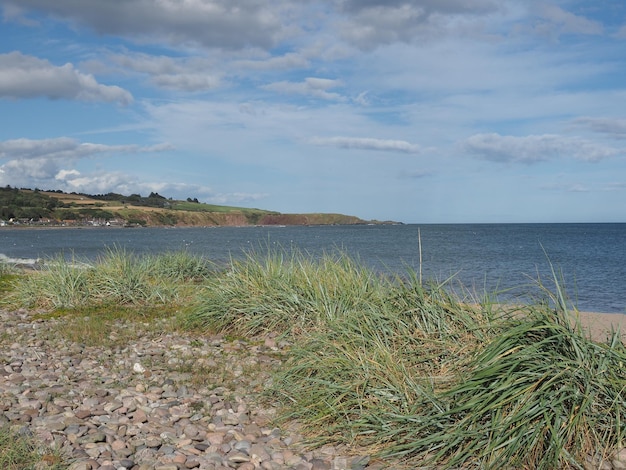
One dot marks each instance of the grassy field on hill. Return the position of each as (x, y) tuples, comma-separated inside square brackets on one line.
[(34, 207)]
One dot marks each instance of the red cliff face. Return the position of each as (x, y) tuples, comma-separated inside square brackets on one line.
[(309, 219)]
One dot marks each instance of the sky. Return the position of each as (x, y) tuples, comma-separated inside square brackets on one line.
[(422, 111)]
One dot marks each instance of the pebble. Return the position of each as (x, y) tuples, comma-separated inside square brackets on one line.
[(137, 406)]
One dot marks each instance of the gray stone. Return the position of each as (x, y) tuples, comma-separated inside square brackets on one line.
[(83, 400)]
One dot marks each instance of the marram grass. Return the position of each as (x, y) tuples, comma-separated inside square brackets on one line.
[(285, 292), (538, 395), (116, 277), (410, 372)]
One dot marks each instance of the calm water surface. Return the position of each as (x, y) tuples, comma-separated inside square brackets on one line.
[(481, 257)]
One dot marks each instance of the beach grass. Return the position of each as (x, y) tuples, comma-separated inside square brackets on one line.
[(284, 292), (405, 369), (22, 452), (117, 277)]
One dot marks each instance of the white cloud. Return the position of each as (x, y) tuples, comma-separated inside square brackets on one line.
[(209, 23), (66, 174), (15, 172), (287, 61), (536, 148), (47, 163), (187, 82), (315, 87), (264, 24), (178, 73), (121, 183), (23, 76), (369, 24), (365, 143), (613, 127), (66, 148)]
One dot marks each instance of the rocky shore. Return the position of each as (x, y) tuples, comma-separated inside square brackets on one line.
[(161, 401), (149, 397)]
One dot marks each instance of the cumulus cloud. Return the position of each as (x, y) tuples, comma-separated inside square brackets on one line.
[(535, 148), (191, 74), (429, 6), (370, 23), (614, 127), (264, 24), (17, 172), (122, 183), (210, 23), (23, 76), (365, 143), (47, 163), (311, 86)]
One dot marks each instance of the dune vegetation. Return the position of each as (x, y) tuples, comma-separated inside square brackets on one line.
[(403, 368)]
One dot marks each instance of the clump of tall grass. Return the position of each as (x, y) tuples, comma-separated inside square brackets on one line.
[(538, 395), (6, 268), (121, 277), (116, 277), (179, 266), (59, 282), (394, 358), (286, 292)]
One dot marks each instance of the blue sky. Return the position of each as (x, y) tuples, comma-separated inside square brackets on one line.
[(423, 111)]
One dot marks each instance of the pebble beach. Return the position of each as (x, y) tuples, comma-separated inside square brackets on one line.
[(165, 401)]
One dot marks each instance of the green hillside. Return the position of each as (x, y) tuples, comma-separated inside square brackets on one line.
[(29, 207)]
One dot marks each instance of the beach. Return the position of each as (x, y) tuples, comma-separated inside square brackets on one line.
[(599, 326)]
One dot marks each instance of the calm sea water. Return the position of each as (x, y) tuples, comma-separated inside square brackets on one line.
[(481, 257)]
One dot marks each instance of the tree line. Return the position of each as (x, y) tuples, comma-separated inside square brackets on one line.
[(23, 203)]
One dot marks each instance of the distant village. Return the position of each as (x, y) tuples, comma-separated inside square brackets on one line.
[(47, 222)]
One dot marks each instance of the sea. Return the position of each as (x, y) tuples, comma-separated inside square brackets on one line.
[(499, 262)]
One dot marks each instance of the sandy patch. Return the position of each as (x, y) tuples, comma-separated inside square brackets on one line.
[(599, 325)]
